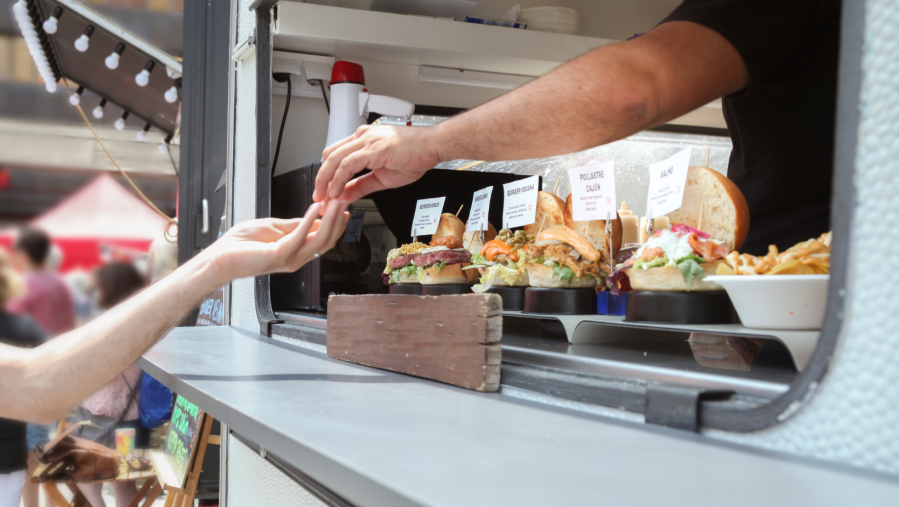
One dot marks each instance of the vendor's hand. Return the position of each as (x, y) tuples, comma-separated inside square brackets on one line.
[(396, 156), (272, 245)]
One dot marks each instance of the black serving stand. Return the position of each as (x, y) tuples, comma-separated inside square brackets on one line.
[(560, 301), (697, 307)]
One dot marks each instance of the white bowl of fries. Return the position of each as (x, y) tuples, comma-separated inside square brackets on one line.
[(777, 302), (781, 290)]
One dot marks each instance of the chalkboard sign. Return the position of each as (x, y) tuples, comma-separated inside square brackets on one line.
[(184, 431), (212, 309)]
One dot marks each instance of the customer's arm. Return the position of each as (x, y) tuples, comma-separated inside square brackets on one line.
[(41, 384), (600, 97)]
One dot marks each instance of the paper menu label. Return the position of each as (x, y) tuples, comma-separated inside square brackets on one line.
[(520, 202), (593, 191), (667, 180), (354, 227), (480, 209), (427, 216)]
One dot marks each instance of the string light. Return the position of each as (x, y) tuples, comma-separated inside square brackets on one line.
[(142, 135), (82, 43), (50, 25), (32, 40), (98, 111), (143, 77), (75, 98), (112, 61)]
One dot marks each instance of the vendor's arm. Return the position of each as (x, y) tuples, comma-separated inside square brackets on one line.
[(600, 97), (42, 384)]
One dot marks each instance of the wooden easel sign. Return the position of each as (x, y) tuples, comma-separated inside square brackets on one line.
[(179, 464)]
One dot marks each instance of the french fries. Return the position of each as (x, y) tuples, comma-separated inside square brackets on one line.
[(810, 257)]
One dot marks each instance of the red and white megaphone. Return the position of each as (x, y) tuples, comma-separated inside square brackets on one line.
[(351, 102)]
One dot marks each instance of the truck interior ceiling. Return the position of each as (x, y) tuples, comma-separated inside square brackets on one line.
[(734, 377)]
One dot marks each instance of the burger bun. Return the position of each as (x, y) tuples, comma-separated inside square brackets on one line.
[(550, 213), (594, 231), (725, 214), (671, 279), (450, 274), (472, 240), (542, 276), (449, 225)]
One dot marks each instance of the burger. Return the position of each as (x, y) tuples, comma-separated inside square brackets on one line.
[(674, 260), (562, 258), (712, 221), (438, 263), (502, 261)]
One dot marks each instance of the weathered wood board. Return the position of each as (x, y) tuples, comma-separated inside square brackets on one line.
[(452, 339)]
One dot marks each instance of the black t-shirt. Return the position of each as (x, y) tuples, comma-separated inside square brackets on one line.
[(18, 331), (782, 124)]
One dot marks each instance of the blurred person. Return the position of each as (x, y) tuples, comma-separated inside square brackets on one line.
[(17, 331), (81, 287), (48, 301), (47, 298), (43, 383), (163, 259), (115, 405)]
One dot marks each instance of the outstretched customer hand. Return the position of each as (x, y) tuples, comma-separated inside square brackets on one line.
[(42, 384)]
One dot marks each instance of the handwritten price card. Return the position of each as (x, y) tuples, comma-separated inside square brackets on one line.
[(593, 191), (427, 215), (520, 202), (667, 180), (480, 208)]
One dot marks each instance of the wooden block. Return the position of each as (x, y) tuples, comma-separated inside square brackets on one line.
[(452, 339)]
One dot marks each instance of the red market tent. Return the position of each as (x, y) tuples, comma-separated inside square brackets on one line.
[(101, 214)]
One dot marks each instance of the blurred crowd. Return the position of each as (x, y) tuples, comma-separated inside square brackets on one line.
[(37, 304)]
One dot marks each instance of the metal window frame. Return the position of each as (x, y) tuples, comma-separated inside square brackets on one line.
[(842, 206)]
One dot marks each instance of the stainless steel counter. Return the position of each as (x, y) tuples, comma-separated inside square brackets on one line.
[(378, 438)]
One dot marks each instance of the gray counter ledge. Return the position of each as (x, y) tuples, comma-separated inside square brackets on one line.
[(378, 438)]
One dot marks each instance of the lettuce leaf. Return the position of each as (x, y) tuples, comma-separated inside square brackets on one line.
[(495, 275), (538, 260), (655, 263), (690, 269), (692, 256), (440, 266), (479, 259), (564, 273)]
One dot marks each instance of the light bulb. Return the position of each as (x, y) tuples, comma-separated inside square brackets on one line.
[(98, 111), (171, 95), (120, 123), (75, 98), (143, 77), (51, 87), (20, 8), (81, 43), (112, 61), (51, 25), (163, 148), (142, 135)]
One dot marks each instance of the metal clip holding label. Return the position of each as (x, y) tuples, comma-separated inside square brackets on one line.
[(246, 48)]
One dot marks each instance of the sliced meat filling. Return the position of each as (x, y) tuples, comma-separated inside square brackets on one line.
[(447, 256)]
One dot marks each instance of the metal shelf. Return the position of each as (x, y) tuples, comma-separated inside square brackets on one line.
[(410, 40), (584, 329)]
